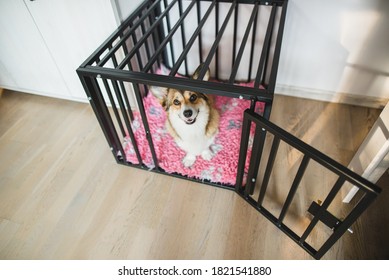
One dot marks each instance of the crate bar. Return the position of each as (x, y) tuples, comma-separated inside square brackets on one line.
[(293, 188), (131, 115), (114, 108), (101, 111), (129, 32), (243, 150), (243, 44), (189, 44), (265, 48), (235, 34), (253, 36), (179, 83), (146, 125), (115, 145), (314, 154), (198, 6), (183, 37), (285, 229), (269, 168), (262, 2), (215, 45), (138, 56), (277, 51), (164, 59), (267, 110), (96, 54), (114, 60), (120, 94), (162, 45), (126, 120), (123, 89), (168, 25), (330, 197), (347, 222), (134, 38), (146, 42), (125, 49), (155, 35), (217, 50), (244, 141), (256, 154), (126, 100), (145, 36)]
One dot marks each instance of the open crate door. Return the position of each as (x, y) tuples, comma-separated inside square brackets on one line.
[(281, 179)]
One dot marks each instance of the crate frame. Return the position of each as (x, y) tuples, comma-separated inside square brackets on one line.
[(140, 73)]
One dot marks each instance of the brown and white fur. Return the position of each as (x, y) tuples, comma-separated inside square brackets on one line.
[(192, 120)]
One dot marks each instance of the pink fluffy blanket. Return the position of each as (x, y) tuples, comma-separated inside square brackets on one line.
[(222, 168)]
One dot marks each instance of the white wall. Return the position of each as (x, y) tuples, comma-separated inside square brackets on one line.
[(337, 49), (126, 7), (332, 50)]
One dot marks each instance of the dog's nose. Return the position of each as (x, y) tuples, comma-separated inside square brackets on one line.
[(188, 113)]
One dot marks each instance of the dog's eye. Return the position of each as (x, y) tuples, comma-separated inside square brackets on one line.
[(193, 98), (176, 102)]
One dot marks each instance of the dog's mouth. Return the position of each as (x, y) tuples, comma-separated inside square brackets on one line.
[(190, 120)]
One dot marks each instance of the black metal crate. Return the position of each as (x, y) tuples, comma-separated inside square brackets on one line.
[(180, 35), (242, 53)]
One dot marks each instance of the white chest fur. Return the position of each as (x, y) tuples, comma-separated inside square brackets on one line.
[(192, 138)]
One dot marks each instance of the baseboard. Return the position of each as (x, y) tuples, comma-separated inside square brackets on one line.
[(300, 92), (28, 91), (334, 97)]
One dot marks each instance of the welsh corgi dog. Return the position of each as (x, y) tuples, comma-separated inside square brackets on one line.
[(192, 119)]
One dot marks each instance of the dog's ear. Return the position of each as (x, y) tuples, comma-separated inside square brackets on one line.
[(161, 94), (203, 96), (197, 72)]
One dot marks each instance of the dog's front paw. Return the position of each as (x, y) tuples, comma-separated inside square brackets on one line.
[(189, 160), (207, 155)]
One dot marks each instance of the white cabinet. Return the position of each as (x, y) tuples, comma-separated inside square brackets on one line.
[(43, 42), (26, 63)]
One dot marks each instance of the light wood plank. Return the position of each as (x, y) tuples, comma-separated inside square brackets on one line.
[(62, 195)]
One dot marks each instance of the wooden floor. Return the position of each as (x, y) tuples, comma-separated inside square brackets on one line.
[(62, 195)]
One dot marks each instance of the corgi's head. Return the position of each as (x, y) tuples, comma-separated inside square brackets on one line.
[(185, 104)]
